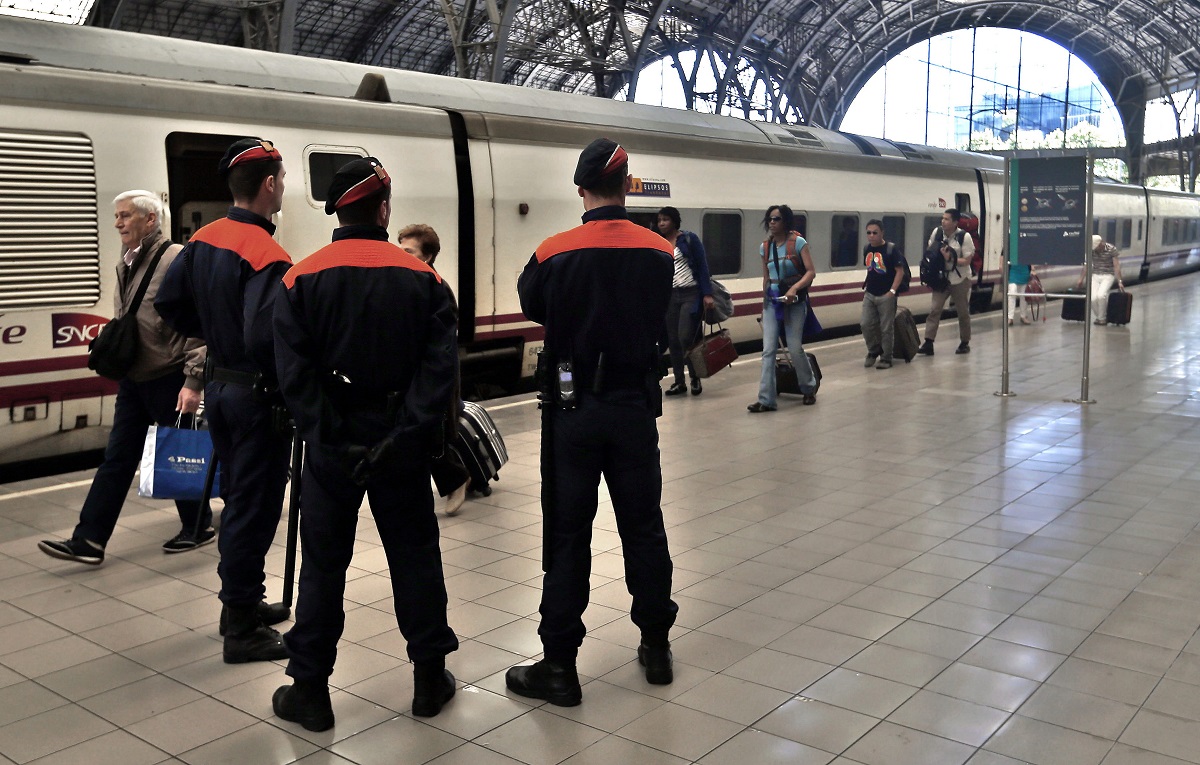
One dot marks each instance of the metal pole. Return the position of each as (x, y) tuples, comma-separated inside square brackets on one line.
[(1087, 263), (293, 528), (1005, 254)]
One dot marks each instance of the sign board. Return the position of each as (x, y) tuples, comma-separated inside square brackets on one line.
[(1048, 209)]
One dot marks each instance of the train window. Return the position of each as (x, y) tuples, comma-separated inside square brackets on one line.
[(1110, 230), (721, 233), (1126, 233), (963, 202), (893, 229), (1139, 230), (647, 218), (931, 222), (800, 220), (843, 236), (49, 238), (323, 162)]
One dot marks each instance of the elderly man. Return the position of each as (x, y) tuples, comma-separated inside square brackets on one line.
[(165, 380)]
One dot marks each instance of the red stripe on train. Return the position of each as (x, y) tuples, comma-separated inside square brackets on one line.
[(61, 390), (37, 366)]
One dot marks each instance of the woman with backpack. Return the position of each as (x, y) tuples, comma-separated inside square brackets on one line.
[(787, 273)]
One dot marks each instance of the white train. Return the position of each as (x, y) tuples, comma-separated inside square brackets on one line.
[(88, 113)]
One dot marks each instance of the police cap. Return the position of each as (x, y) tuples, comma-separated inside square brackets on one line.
[(601, 158), (245, 151), (357, 179)]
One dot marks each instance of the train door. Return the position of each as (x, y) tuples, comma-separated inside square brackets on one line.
[(197, 195)]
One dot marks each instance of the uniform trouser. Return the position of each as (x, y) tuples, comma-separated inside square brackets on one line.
[(793, 328), (139, 405), (254, 459), (615, 436), (879, 324), (1101, 285), (402, 505), (683, 321), (961, 293), (1012, 301)]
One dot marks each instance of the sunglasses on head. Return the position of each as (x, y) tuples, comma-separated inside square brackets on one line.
[(775, 218)]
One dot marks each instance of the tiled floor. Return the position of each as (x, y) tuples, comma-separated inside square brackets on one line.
[(912, 571)]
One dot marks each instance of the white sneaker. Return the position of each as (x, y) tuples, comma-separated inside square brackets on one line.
[(455, 500)]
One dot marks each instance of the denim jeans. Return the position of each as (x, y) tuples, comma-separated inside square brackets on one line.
[(793, 320)]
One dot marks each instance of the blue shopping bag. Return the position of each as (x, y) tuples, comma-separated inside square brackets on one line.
[(174, 463)]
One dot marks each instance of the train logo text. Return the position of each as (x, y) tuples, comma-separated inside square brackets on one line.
[(71, 329)]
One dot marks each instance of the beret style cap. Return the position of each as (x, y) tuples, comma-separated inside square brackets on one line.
[(245, 151), (602, 157), (357, 179)]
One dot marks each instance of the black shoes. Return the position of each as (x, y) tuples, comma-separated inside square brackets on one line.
[(926, 349), (186, 540), (78, 550), (964, 347), (697, 388), (870, 362), (677, 389), (547, 680), (304, 703), (268, 613), (757, 408), (248, 639), (657, 661), (433, 686)]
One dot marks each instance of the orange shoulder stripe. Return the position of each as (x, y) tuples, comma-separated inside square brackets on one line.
[(603, 235), (357, 253), (252, 243)]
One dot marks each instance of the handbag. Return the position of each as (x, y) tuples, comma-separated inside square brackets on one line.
[(722, 309), (115, 349), (175, 462), (712, 353)]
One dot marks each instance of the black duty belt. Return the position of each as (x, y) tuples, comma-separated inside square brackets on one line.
[(234, 377)]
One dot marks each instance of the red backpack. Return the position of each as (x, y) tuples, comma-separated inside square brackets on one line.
[(970, 224)]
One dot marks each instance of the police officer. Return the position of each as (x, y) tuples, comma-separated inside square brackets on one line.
[(366, 350), (221, 288), (601, 291)]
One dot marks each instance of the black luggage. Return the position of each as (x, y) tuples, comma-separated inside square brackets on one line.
[(1120, 307), (786, 379), (1074, 309), (981, 296), (906, 341), (480, 446)]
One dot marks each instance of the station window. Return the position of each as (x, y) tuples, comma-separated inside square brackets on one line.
[(722, 237), (893, 229), (323, 162), (49, 238), (843, 240), (1126, 233)]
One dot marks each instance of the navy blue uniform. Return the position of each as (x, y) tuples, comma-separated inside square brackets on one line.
[(602, 288), (366, 350), (221, 288)]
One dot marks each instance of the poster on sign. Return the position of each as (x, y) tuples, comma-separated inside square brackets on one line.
[(1048, 210)]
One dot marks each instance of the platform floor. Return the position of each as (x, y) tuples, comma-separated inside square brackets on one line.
[(912, 571)]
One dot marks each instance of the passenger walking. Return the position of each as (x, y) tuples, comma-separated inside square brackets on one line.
[(164, 382), (884, 275), (691, 295), (1106, 269), (787, 272), (450, 475), (365, 342), (222, 288), (1018, 280), (954, 247), (601, 291)]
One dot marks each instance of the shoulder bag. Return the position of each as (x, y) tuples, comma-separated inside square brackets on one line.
[(115, 349)]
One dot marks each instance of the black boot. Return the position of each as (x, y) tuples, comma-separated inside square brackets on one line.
[(655, 655), (548, 680), (926, 349), (306, 703), (268, 614), (247, 639), (433, 686)]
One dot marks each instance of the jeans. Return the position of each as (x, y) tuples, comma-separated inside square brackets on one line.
[(139, 405), (682, 322), (961, 293), (793, 321), (879, 324)]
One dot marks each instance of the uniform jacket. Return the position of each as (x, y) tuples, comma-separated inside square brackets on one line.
[(162, 350), (378, 317), (221, 288), (602, 287)]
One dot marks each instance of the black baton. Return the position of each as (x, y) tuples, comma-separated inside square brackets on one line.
[(293, 528)]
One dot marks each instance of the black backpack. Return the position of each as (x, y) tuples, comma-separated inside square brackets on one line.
[(901, 262), (933, 265)]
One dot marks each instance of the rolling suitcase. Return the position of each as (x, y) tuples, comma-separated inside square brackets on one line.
[(480, 446), (981, 297), (1120, 307), (1074, 309), (786, 379), (906, 341)]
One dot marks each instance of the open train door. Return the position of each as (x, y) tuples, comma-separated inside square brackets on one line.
[(197, 194)]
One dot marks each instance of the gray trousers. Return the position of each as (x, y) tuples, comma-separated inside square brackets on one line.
[(879, 324), (961, 293)]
